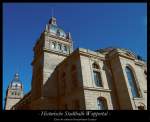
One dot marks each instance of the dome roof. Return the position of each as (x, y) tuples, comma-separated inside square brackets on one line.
[(16, 83), (54, 29)]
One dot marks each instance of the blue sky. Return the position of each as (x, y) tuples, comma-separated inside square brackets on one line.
[(92, 25)]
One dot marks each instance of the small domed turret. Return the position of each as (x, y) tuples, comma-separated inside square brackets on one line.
[(54, 29), (14, 92), (16, 83)]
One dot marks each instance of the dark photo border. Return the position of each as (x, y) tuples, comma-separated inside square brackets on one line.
[(80, 115)]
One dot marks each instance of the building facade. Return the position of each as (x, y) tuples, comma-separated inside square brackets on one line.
[(63, 79)]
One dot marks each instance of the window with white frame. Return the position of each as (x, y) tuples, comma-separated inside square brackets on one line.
[(97, 75)]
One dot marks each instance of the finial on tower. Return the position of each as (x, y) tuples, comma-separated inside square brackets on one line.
[(16, 77), (53, 19), (52, 10)]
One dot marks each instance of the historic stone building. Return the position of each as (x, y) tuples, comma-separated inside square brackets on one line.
[(63, 79), (14, 92)]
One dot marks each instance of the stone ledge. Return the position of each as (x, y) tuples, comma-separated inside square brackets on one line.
[(96, 89)]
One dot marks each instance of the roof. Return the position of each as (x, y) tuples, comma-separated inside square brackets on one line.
[(15, 83), (57, 30)]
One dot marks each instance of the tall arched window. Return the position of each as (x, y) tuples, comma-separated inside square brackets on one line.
[(102, 103), (59, 46), (97, 75), (53, 45), (132, 82), (65, 48), (12, 93)]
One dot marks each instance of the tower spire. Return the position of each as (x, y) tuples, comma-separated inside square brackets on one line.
[(16, 76), (52, 10), (53, 19)]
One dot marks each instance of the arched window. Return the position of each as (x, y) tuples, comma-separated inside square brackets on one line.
[(65, 48), (53, 45), (97, 75), (97, 78), (59, 46), (141, 108), (18, 94), (12, 93), (132, 82), (102, 103)]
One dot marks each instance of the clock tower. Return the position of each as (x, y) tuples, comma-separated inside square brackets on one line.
[(53, 46)]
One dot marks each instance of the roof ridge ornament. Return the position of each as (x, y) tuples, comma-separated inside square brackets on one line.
[(52, 12), (16, 76), (53, 21)]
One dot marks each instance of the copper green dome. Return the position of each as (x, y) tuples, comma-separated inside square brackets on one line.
[(54, 29), (57, 31)]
